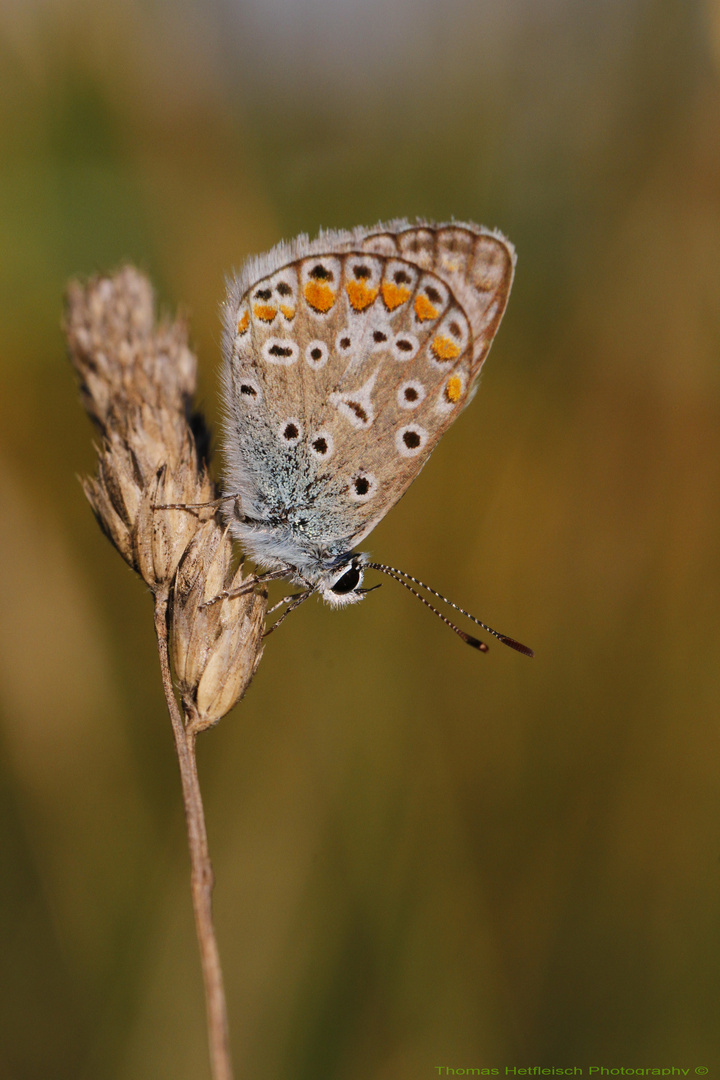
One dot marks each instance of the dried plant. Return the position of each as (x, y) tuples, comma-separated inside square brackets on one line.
[(153, 498)]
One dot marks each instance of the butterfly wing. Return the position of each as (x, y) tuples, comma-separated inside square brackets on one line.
[(346, 361)]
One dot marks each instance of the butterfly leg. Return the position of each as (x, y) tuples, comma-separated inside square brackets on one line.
[(247, 586), (297, 600), (191, 507), (285, 600)]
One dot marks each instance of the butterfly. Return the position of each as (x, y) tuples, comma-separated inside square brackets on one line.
[(346, 359)]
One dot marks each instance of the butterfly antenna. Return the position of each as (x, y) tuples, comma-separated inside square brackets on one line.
[(467, 638), (404, 579)]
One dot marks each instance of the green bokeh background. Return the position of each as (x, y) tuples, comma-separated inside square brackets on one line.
[(424, 857)]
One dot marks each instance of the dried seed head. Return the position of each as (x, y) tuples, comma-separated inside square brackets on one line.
[(137, 379), (215, 650)]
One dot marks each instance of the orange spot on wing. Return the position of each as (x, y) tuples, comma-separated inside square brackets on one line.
[(424, 309), (319, 296), (288, 312), (394, 295), (453, 390), (243, 322), (444, 348), (361, 295), (264, 312)]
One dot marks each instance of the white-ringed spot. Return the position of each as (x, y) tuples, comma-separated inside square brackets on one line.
[(410, 394), (283, 351), (405, 347), (316, 354), (290, 431), (363, 486), (249, 391), (410, 440), (322, 445)]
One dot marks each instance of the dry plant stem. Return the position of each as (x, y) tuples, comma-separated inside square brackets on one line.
[(201, 872), (137, 379)]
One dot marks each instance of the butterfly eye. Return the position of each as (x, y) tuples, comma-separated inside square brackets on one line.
[(348, 582)]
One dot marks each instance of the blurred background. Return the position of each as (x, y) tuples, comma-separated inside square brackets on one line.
[(424, 857)]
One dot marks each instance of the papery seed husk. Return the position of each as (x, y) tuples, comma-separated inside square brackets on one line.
[(109, 520), (233, 662)]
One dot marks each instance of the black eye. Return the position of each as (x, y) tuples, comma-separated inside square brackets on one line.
[(347, 582)]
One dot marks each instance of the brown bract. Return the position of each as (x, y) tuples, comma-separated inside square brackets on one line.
[(210, 657)]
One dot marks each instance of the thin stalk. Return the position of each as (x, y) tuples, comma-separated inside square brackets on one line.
[(201, 872)]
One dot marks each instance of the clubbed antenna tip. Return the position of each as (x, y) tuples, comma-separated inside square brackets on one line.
[(404, 579)]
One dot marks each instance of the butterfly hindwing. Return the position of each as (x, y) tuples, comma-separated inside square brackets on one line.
[(349, 361)]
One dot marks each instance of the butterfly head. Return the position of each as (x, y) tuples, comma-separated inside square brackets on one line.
[(340, 585)]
